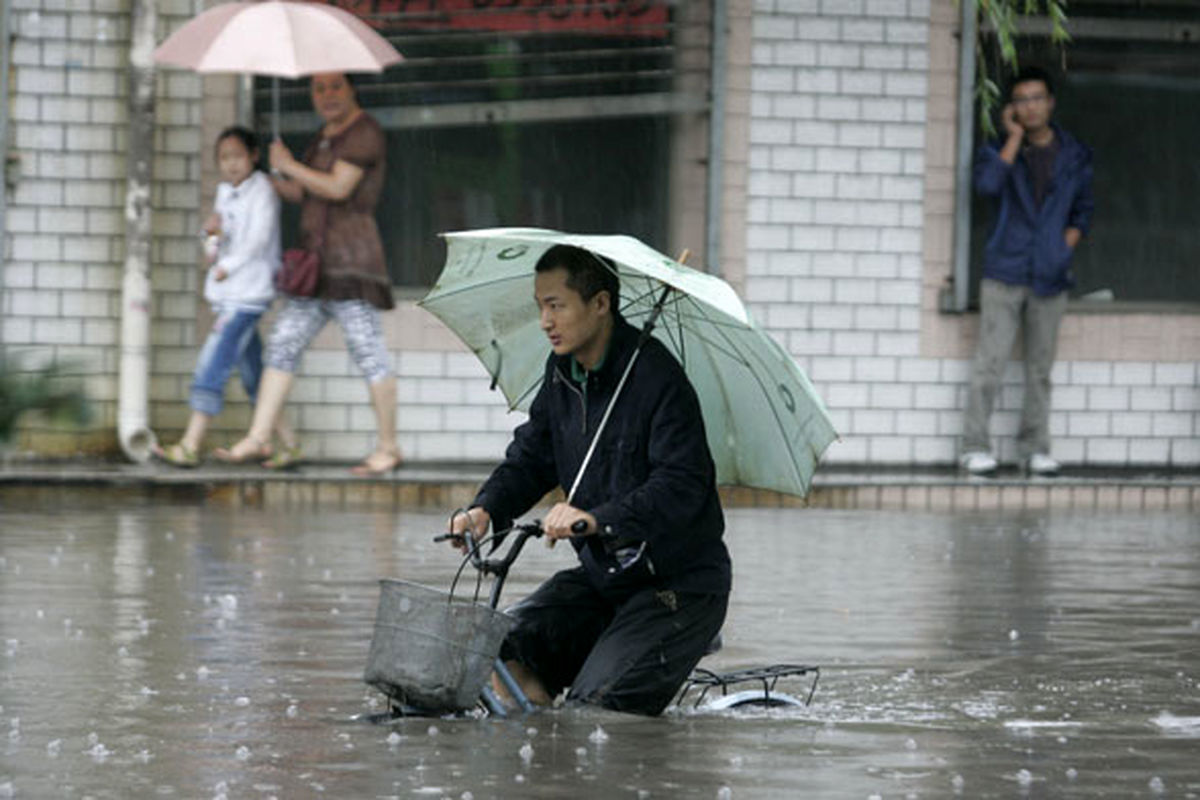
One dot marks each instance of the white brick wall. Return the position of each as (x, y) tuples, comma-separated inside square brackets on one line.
[(64, 227), (834, 211), (835, 195)]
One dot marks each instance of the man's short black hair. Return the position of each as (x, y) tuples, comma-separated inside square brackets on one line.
[(1031, 73), (587, 273)]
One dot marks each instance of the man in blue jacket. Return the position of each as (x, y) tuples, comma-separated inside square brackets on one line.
[(1043, 178), (625, 627)]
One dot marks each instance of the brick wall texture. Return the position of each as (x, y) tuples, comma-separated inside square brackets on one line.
[(64, 237), (835, 251), (834, 245)]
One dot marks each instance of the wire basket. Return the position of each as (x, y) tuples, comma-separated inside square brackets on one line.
[(430, 650)]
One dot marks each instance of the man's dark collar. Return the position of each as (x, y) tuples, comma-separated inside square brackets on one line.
[(619, 341)]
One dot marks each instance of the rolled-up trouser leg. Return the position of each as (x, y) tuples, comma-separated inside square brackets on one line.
[(250, 365), (232, 333)]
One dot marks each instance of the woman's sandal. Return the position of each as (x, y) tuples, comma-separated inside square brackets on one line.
[(177, 455), (232, 455), (367, 469), (285, 458)]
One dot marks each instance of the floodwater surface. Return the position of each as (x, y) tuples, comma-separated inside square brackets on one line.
[(200, 652)]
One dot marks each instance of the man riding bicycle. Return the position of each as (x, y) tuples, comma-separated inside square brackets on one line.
[(625, 627)]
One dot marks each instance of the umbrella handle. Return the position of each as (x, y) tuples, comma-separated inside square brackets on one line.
[(499, 363)]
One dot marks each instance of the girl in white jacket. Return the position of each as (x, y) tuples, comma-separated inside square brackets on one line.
[(243, 237)]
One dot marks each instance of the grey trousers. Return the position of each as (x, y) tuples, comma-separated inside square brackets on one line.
[(1005, 309)]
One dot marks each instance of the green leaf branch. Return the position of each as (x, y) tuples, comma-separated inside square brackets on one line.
[(998, 23)]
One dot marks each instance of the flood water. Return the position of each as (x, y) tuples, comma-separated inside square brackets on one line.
[(199, 652)]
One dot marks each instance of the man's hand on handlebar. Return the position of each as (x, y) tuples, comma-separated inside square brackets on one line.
[(565, 521), (475, 521)]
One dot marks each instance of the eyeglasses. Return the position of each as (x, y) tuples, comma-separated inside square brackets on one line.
[(1030, 99)]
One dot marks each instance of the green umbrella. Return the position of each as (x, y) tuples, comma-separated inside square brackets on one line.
[(766, 425)]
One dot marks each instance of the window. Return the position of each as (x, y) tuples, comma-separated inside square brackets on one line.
[(1130, 90), (554, 115)]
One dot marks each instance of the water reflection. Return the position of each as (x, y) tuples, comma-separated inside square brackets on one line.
[(199, 652)]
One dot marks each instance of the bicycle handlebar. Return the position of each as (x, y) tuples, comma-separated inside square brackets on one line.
[(524, 530), (494, 566), (498, 566)]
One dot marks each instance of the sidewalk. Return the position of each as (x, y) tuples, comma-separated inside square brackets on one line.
[(440, 486)]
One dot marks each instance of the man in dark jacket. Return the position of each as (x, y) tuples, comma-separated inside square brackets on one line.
[(625, 627), (1043, 178)]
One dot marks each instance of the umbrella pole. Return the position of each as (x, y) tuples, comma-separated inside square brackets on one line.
[(274, 109), (647, 328)]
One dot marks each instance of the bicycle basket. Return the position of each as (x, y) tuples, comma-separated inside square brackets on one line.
[(430, 650)]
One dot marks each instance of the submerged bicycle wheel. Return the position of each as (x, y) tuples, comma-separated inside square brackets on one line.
[(717, 685), (754, 698)]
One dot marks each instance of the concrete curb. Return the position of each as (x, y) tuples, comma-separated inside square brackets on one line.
[(441, 486)]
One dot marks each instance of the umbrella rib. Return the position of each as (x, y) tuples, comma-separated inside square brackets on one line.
[(528, 391), (787, 441), (682, 345), (680, 299), (716, 344), (671, 306), (470, 288), (675, 338), (641, 297), (682, 340), (699, 314)]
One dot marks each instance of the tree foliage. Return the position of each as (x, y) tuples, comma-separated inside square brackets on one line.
[(998, 24)]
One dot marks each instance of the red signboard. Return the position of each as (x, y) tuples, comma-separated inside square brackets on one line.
[(601, 17)]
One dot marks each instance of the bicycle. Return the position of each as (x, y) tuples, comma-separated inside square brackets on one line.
[(435, 664)]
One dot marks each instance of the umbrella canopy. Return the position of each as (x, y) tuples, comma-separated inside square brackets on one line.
[(766, 425), (284, 39)]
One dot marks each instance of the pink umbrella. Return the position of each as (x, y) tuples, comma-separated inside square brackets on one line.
[(277, 38)]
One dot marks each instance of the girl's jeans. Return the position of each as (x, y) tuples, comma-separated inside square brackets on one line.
[(233, 341)]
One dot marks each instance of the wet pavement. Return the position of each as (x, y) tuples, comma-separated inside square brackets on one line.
[(192, 650)]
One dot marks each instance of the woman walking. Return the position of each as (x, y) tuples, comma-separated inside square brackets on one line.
[(337, 184)]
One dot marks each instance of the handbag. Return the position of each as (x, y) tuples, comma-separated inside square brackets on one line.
[(297, 275), (300, 271)]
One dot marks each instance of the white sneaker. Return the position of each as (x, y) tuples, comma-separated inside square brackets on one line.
[(1042, 464), (978, 462)]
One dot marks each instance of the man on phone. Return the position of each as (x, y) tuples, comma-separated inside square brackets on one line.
[(1042, 176)]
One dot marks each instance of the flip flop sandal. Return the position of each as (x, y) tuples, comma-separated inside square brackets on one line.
[(261, 450), (285, 458), (365, 470), (177, 455)]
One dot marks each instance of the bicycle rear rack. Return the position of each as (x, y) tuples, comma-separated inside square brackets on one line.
[(705, 680)]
